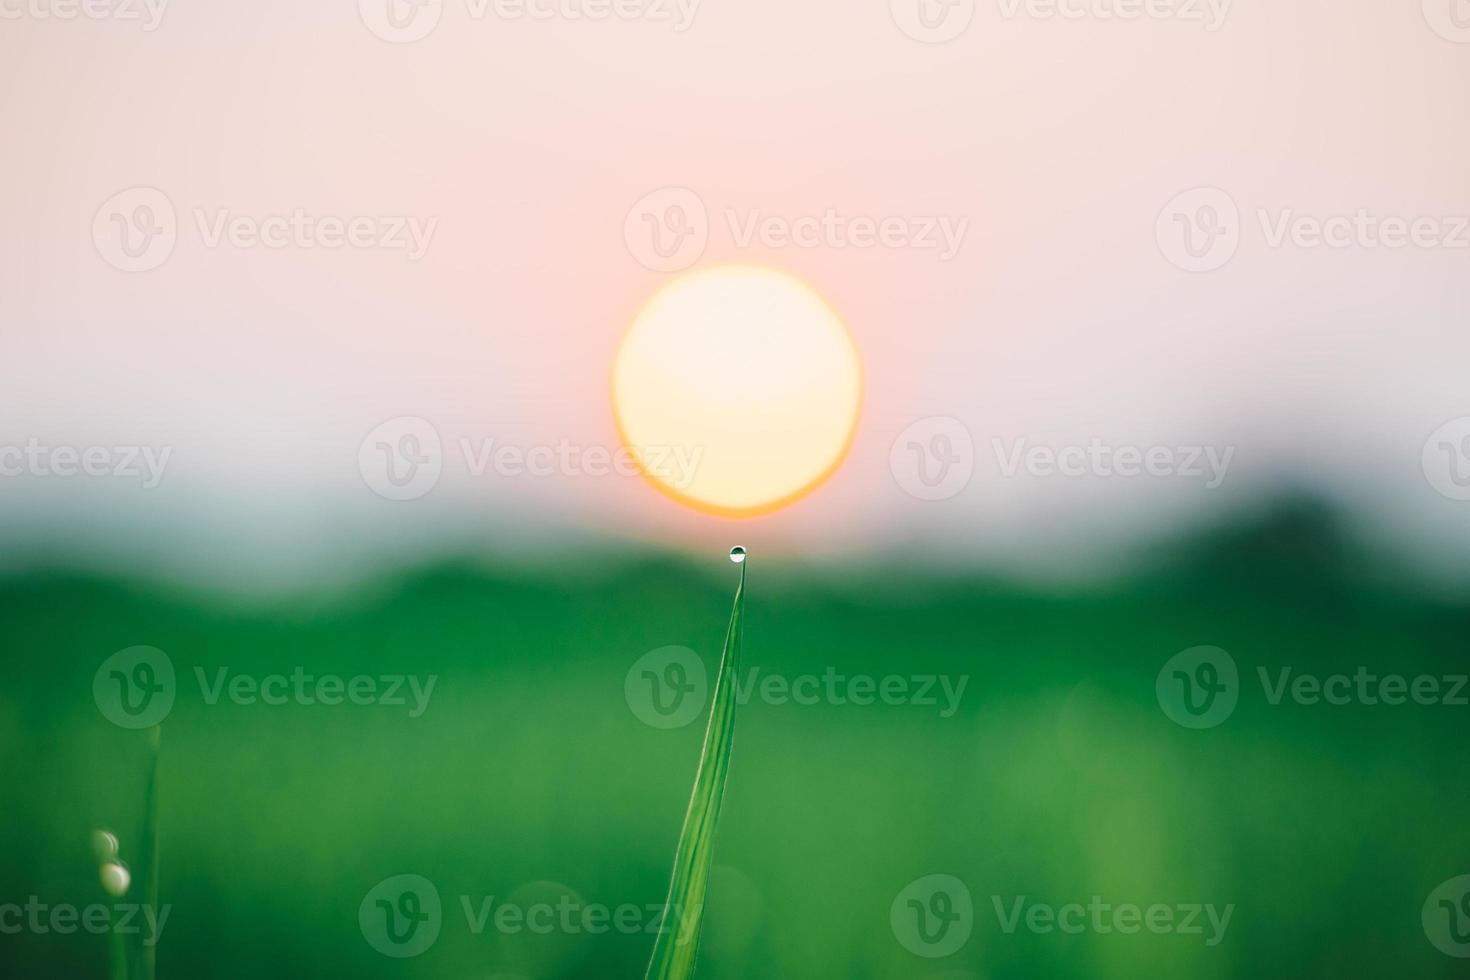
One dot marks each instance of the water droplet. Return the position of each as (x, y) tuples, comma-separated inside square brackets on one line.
[(737, 554), (115, 879)]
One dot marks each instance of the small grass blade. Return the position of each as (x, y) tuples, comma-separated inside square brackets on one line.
[(112, 876), (117, 953), (677, 946), (146, 951)]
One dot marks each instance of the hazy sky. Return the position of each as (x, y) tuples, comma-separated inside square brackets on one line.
[(1232, 231)]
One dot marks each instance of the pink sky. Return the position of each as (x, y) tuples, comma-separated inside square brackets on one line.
[(1060, 319)]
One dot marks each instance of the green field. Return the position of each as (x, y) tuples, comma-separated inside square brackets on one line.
[(529, 780)]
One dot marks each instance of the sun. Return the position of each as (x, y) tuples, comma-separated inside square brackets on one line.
[(738, 389)]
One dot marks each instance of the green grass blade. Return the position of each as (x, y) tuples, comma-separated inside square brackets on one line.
[(147, 949), (677, 946), (117, 952)]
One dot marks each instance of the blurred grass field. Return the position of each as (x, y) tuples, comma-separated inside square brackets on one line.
[(1058, 778)]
